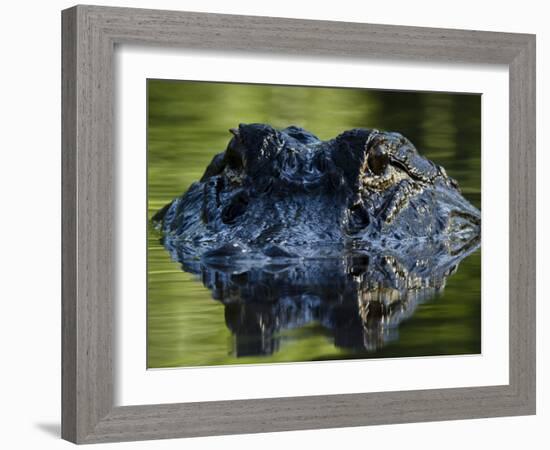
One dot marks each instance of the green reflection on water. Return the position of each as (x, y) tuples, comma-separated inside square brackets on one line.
[(187, 125)]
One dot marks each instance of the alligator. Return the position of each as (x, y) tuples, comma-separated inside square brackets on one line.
[(287, 194), (351, 233)]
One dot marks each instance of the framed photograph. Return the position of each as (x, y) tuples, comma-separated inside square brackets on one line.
[(278, 224)]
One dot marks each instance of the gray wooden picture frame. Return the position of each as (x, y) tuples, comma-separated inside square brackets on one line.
[(90, 34)]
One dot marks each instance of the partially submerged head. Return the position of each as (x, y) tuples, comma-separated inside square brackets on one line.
[(358, 300), (283, 194)]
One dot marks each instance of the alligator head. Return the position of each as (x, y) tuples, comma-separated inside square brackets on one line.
[(286, 194)]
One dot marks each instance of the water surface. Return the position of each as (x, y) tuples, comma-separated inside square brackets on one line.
[(187, 125)]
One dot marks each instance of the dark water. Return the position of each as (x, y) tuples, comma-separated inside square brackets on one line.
[(186, 326)]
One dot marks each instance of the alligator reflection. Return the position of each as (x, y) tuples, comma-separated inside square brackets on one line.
[(360, 299)]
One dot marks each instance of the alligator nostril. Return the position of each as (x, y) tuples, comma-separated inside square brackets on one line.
[(378, 159)]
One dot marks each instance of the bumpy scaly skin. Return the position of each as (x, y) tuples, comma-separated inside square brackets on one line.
[(286, 194)]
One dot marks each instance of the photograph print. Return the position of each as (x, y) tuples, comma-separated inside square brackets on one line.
[(301, 223)]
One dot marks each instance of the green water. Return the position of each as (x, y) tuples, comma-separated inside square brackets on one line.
[(187, 125)]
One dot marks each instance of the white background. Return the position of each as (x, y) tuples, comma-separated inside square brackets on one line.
[(30, 190), (135, 386)]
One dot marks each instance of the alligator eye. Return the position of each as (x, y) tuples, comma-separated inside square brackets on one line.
[(234, 154), (378, 159)]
